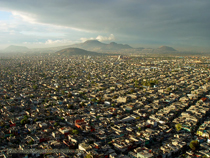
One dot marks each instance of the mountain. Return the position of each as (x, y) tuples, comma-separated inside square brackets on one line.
[(94, 45), (75, 51), (115, 46), (166, 48), (13, 48)]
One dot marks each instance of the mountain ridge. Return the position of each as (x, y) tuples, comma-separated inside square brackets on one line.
[(75, 51), (14, 48), (95, 45), (166, 48)]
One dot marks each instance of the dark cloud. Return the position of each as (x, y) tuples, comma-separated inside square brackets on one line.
[(155, 20)]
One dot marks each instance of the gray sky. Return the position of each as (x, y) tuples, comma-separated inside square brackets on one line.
[(182, 24)]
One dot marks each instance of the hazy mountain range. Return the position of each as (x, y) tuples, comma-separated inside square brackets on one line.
[(166, 48), (76, 51), (95, 45), (13, 48), (90, 47)]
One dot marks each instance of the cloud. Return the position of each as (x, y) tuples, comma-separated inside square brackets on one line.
[(104, 38), (100, 38), (24, 16), (159, 21), (63, 41), (83, 39)]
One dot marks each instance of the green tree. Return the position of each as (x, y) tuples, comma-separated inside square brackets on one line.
[(136, 82), (62, 92), (35, 87), (11, 135), (113, 104), (24, 121), (194, 144), (178, 127), (75, 131), (69, 95), (31, 142), (169, 89), (93, 99), (88, 156)]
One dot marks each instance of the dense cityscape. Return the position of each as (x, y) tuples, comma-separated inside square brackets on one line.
[(114, 106), (104, 79)]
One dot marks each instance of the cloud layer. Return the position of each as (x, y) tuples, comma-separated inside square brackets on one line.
[(99, 38), (139, 21)]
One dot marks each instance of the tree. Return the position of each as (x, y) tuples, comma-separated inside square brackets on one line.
[(6, 97), (194, 144), (62, 92), (169, 89), (113, 104), (69, 95), (31, 142), (2, 124), (35, 87), (93, 99), (178, 127), (11, 135), (88, 156), (24, 121), (132, 90), (75, 131)]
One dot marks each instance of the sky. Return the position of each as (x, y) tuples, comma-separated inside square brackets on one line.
[(182, 24)]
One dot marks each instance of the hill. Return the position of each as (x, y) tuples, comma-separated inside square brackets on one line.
[(13, 48), (75, 51), (166, 48)]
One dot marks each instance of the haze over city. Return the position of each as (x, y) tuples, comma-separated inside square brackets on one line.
[(183, 25)]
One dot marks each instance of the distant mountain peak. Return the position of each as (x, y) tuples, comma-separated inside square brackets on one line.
[(95, 45), (75, 51), (13, 48), (92, 41), (113, 43), (166, 48)]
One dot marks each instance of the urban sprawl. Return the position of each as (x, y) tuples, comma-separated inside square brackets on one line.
[(104, 106)]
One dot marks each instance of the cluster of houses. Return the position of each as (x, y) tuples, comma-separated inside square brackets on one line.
[(104, 106)]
